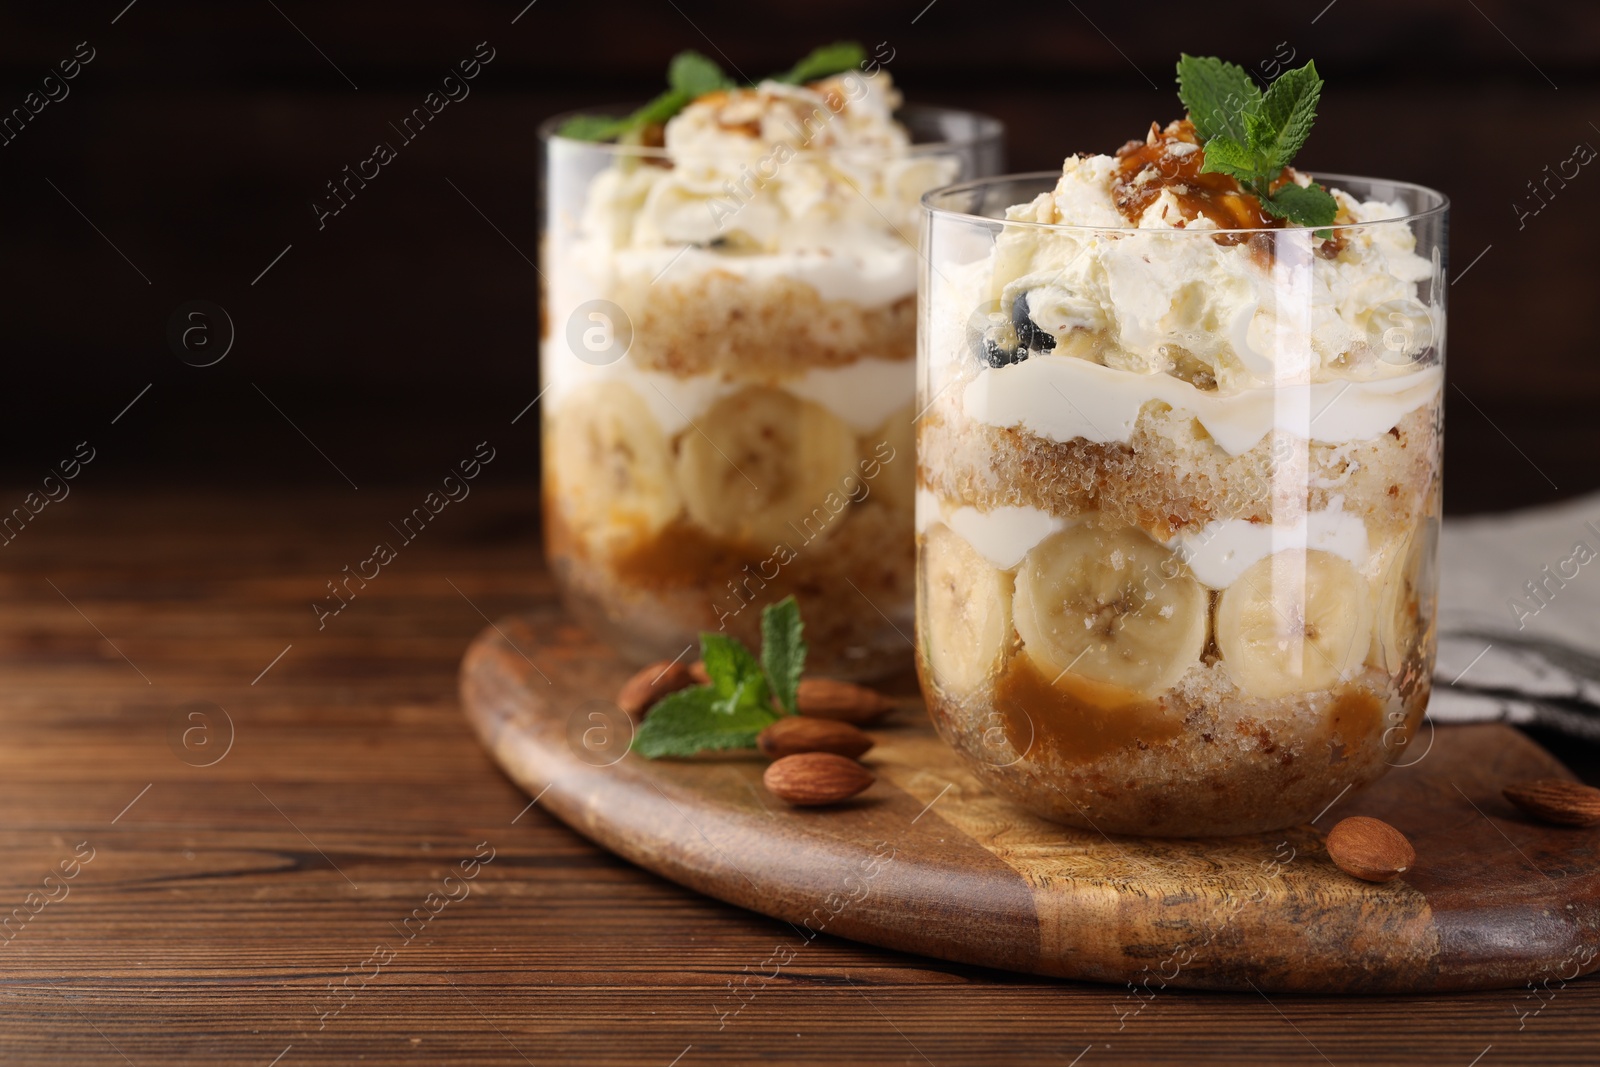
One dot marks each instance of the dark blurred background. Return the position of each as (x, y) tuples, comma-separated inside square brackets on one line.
[(188, 151)]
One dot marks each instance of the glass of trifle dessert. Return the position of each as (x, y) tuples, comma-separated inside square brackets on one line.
[(1178, 472), (728, 354)]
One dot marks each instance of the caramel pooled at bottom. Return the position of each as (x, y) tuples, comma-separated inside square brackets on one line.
[(653, 600), (1175, 765)]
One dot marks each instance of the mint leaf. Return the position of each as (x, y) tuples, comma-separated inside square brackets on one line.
[(822, 62), (1217, 94), (660, 109), (691, 75), (694, 75), (592, 128), (1255, 142), (1303, 205), (1257, 134), (737, 705), (1286, 115), (695, 720), (783, 653), (602, 128), (1224, 155), (736, 678), (729, 713)]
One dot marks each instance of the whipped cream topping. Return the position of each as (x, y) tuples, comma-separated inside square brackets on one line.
[(868, 274), (814, 182), (1329, 343), (1158, 298)]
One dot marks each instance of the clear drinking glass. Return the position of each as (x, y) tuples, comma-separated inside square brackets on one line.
[(728, 364), (1178, 506)]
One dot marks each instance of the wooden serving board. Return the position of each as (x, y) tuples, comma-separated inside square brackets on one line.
[(928, 861)]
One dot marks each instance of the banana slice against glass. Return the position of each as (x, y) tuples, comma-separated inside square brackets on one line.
[(966, 610), (1401, 608), (897, 478), (1105, 602), (1293, 622), (610, 467), (764, 467)]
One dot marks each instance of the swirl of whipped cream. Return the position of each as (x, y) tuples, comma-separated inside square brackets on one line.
[(775, 169), (1158, 298)]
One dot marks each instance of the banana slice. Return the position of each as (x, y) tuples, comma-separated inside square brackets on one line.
[(610, 467), (1107, 603), (964, 614), (764, 466), (897, 477), (1405, 598), (1293, 622)]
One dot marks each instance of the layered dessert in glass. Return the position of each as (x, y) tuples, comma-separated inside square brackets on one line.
[(728, 362), (1178, 488)]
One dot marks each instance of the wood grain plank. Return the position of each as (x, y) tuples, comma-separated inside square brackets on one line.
[(982, 882), (207, 929)]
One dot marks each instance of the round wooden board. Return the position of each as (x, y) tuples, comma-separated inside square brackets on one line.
[(928, 861)]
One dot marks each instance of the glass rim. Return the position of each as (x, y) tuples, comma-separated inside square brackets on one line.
[(1322, 178), (987, 130)]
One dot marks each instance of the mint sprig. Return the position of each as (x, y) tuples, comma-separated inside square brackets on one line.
[(696, 720), (783, 652), (1303, 205), (737, 679), (1218, 95), (824, 62), (1251, 136), (690, 76), (731, 711)]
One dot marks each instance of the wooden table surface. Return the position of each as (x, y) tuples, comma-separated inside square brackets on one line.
[(288, 903)]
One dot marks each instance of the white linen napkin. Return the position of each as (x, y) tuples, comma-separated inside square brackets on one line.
[(1519, 618)]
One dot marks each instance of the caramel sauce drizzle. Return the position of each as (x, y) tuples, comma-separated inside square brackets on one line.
[(1145, 168)]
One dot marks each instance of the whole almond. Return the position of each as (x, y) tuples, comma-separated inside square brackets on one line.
[(829, 698), (644, 689), (697, 671), (1556, 800), (800, 733), (808, 779), (1370, 849)]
